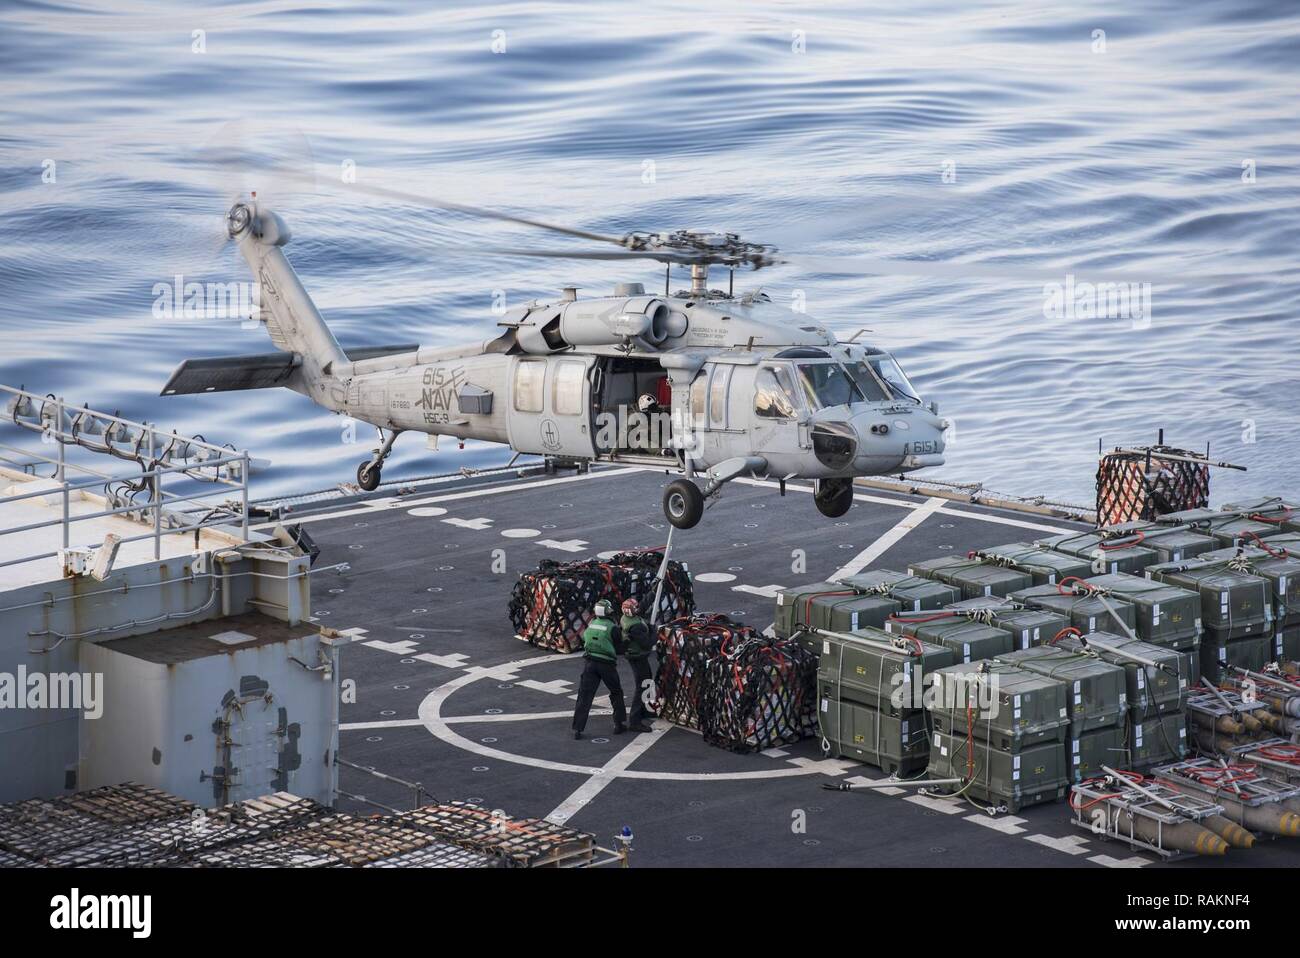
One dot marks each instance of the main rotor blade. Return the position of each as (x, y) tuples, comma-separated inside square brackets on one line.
[(997, 272), (662, 256)]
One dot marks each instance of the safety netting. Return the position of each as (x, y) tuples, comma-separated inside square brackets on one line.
[(743, 691), (1141, 485), (551, 606)]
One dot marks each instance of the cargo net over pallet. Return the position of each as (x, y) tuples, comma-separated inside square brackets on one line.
[(551, 607), (1134, 484), (520, 842), (744, 692)]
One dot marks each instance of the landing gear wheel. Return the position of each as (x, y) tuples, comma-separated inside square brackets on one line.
[(368, 476), (834, 497), (683, 503)]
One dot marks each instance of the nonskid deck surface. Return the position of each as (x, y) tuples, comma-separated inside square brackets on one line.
[(447, 696)]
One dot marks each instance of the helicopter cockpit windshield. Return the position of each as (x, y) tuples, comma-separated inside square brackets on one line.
[(827, 384), (887, 368)]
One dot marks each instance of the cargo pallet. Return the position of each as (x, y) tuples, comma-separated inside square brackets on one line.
[(1162, 809)]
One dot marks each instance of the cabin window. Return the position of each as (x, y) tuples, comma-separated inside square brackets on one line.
[(773, 394), (530, 385), (718, 396), (570, 383), (698, 387)]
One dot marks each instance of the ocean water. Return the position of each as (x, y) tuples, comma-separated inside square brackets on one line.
[(1007, 148)]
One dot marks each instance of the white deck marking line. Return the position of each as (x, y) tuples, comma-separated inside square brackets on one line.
[(1070, 844), (467, 719), (390, 723), (450, 497), (440, 727), (763, 591), (1004, 521), (593, 786), (1006, 824), (948, 806), (1134, 862), (878, 548)]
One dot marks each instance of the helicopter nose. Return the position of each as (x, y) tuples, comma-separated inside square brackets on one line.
[(891, 443)]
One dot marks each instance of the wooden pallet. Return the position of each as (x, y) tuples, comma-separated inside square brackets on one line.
[(528, 842)]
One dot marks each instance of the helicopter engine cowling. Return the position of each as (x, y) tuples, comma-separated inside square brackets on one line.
[(606, 322)]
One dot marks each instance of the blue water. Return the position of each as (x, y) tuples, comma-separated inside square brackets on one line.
[(1067, 158)]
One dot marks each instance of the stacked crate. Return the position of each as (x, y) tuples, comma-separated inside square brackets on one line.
[(1236, 612), (1028, 626), (1113, 549), (969, 638), (973, 576), (1157, 680), (913, 593), (832, 606), (1045, 566), (1002, 731), (1096, 703), (871, 698), (1085, 610), (1163, 614), (1276, 559)]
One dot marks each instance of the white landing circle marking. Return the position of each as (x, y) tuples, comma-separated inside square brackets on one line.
[(520, 533), (715, 577), (426, 511), (606, 556), (431, 716)]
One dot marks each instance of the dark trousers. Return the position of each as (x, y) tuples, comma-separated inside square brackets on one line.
[(644, 685), (593, 673)]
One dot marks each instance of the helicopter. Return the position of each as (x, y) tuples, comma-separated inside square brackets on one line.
[(700, 382)]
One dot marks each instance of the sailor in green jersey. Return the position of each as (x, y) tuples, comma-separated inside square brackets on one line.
[(601, 642), (638, 643)]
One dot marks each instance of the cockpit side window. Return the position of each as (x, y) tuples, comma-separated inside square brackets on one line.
[(774, 396), (866, 381), (888, 369)]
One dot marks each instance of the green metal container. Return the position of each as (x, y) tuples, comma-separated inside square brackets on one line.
[(1105, 554), (1280, 567), (1090, 750), (914, 593), (1149, 689), (1155, 741), (1287, 644), (1097, 690), (1045, 566), (1027, 626), (1037, 774), (1011, 708), (972, 576), (1280, 513), (829, 605), (899, 745), (1086, 613), (1235, 604), (970, 641), (1217, 653), (866, 668), (1165, 614), (1175, 543)]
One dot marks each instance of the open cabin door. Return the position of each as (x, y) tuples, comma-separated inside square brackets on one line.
[(550, 406)]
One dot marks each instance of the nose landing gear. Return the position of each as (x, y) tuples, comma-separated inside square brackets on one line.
[(833, 497), (368, 473)]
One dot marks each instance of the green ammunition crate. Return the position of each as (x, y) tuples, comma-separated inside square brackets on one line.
[(913, 592), (1232, 531), (829, 605), (1287, 645), (1282, 570), (971, 576), (1013, 708), (864, 669), (1086, 613), (1166, 614), (1156, 741), (1045, 566), (1175, 543), (1097, 690), (969, 641), (1236, 604), (1280, 513), (1189, 517), (930, 568), (1035, 775), (1089, 751), (1027, 626), (1116, 556), (898, 744), (1217, 653), (1149, 689)]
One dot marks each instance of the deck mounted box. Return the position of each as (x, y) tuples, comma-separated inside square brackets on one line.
[(1023, 709), (1150, 690), (970, 641), (1097, 692), (913, 593), (1036, 774), (1233, 604), (1045, 566), (1087, 613), (897, 744), (830, 605), (1028, 627), (1165, 614), (865, 670), (1106, 554)]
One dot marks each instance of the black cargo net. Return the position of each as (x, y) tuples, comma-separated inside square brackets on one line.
[(1132, 486), (743, 691), (551, 607)]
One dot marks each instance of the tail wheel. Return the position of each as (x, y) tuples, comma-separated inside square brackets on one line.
[(834, 497), (683, 503), (368, 476)]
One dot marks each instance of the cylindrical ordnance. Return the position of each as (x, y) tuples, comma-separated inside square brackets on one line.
[(1271, 817), (1291, 805), (1229, 831), (1251, 723), (1183, 837), (1221, 723), (1272, 722), (1285, 705)]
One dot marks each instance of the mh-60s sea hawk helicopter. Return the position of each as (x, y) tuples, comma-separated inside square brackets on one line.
[(698, 381)]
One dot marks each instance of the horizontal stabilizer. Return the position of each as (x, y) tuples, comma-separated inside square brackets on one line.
[(358, 353), (228, 373)]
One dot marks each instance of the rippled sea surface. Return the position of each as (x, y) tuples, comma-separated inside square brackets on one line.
[(1017, 137)]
